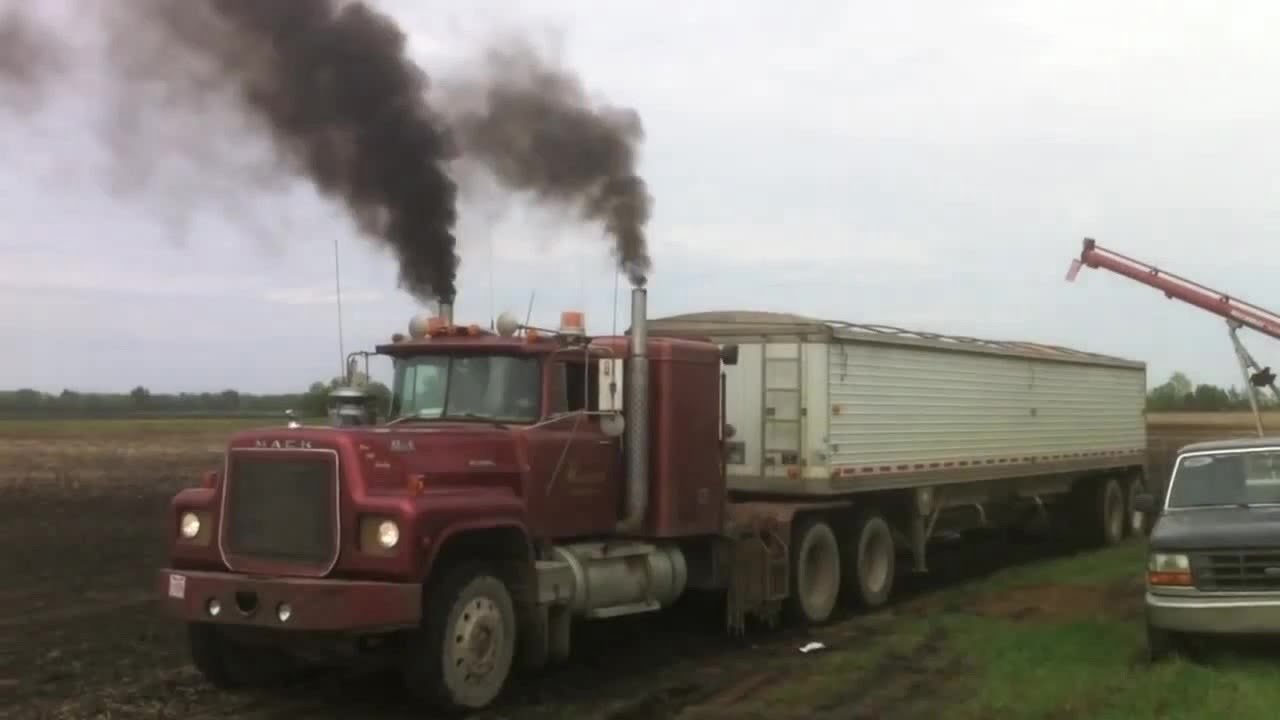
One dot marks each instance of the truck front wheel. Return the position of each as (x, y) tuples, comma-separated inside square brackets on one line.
[(461, 655), (815, 571), (229, 665)]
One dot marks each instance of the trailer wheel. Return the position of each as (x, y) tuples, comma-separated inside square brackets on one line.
[(228, 665), (461, 655), (1137, 522), (870, 563), (1109, 513), (815, 571)]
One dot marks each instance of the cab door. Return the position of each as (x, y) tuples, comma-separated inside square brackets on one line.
[(577, 467)]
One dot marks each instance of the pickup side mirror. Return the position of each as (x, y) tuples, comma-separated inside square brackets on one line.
[(1144, 503)]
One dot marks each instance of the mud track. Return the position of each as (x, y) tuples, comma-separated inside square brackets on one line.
[(81, 635)]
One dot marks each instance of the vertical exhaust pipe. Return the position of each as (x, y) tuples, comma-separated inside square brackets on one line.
[(637, 409), (446, 312)]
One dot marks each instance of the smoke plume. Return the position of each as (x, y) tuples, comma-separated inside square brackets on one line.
[(29, 57), (537, 131), (331, 87)]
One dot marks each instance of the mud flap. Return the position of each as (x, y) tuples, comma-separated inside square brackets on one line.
[(759, 579)]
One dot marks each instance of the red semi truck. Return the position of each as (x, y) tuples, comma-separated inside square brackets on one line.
[(524, 480)]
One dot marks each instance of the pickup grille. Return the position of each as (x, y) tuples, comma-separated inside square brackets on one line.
[(281, 509), (1237, 571)]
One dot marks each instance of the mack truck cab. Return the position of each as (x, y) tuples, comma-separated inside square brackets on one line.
[(518, 480)]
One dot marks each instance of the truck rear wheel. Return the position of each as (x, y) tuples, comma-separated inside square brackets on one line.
[(870, 562), (461, 656), (815, 571)]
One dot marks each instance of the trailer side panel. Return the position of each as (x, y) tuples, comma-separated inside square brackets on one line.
[(895, 408)]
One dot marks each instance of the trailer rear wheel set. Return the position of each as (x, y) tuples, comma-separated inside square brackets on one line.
[(855, 569)]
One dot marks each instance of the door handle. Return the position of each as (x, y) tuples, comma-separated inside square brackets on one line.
[(604, 442)]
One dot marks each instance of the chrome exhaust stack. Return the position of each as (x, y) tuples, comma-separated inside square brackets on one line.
[(637, 410)]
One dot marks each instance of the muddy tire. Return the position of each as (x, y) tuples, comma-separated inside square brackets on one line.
[(815, 571), (870, 562), (1107, 511), (459, 659), (1136, 522), (228, 665), (1162, 644)]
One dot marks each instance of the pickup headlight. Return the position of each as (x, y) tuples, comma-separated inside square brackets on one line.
[(1169, 569)]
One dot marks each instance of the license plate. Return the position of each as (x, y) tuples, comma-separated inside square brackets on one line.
[(178, 586)]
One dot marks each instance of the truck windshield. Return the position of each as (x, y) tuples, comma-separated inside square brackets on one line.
[(467, 387), (1239, 478)]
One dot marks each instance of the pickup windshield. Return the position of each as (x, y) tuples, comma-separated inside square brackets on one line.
[(1236, 478), (501, 388)]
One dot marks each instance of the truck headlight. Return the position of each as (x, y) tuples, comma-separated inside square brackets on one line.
[(1169, 569), (189, 525), (379, 535), (388, 534)]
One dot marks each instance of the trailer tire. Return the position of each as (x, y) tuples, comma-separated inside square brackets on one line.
[(1108, 513), (461, 655), (815, 571), (870, 562), (1136, 524)]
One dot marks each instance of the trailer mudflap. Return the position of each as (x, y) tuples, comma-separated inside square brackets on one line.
[(758, 581), (759, 558)]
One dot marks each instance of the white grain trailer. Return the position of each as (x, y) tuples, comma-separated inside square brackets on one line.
[(888, 432)]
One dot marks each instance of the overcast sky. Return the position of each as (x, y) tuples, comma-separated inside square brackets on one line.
[(932, 165)]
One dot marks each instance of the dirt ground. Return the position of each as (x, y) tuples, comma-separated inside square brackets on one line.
[(81, 527)]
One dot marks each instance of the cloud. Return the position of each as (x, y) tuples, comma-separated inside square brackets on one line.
[(931, 165), (323, 296)]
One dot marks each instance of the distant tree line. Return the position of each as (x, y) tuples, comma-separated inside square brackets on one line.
[(141, 402), (1180, 394)]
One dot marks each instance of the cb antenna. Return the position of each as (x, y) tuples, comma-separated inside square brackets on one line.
[(337, 283), (616, 275), (528, 315), (492, 320)]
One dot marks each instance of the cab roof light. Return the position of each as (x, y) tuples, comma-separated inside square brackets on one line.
[(573, 322)]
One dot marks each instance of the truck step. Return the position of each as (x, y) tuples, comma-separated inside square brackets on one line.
[(620, 610)]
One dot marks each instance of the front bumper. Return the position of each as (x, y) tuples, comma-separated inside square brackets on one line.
[(335, 605), (1215, 614)]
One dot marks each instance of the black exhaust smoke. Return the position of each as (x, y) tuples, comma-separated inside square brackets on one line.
[(29, 57), (536, 130), (330, 85)]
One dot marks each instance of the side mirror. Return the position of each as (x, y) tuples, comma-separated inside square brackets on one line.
[(613, 424), (729, 354), (1144, 503)]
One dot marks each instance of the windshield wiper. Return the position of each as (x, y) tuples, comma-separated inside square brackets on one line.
[(486, 418), (404, 418)]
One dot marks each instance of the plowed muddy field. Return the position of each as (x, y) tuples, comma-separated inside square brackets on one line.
[(82, 513)]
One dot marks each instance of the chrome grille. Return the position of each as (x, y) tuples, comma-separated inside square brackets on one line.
[(281, 508), (1237, 571)]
